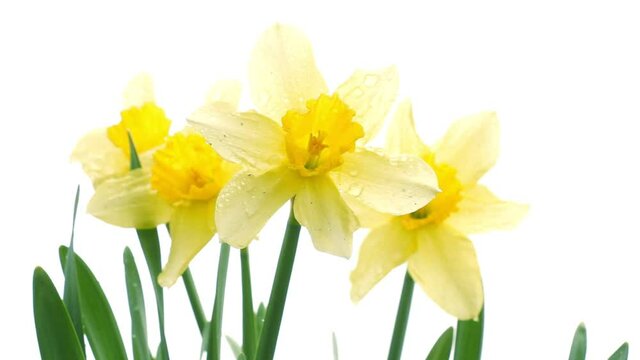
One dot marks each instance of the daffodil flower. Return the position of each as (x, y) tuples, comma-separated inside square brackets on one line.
[(306, 143), (178, 182), (432, 239)]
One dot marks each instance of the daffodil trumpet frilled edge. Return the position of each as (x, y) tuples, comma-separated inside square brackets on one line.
[(432, 239)]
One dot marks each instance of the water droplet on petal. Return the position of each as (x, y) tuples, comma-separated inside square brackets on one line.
[(355, 189), (353, 173)]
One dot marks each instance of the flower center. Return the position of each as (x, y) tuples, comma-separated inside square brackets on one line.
[(187, 168), (317, 138), (147, 125), (445, 202)]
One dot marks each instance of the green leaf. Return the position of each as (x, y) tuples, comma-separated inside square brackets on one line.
[(134, 160), (136, 308), (260, 314), (57, 338), (579, 345), (441, 350), (469, 338), (235, 347), (194, 300), (248, 315), (213, 331), (334, 342), (71, 300), (97, 317), (622, 353)]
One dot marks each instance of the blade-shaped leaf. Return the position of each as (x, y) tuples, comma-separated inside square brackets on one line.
[(70, 296), (235, 347), (97, 318), (248, 315), (579, 345), (260, 314), (136, 308), (441, 350), (57, 338), (469, 339), (213, 332), (622, 353), (334, 342)]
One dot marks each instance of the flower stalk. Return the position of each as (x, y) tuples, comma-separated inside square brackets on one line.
[(248, 316), (402, 318)]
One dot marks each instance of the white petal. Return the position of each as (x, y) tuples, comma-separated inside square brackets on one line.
[(383, 249), (480, 211), (319, 207), (283, 73), (446, 267), (128, 201), (100, 159), (401, 133), (139, 91), (226, 94), (249, 139), (248, 201), (192, 226), (370, 94), (471, 145), (395, 185)]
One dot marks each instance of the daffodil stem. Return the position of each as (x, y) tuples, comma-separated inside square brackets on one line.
[(402, 317), (248, 316), (273, 317), (468, 344), (215, 326), (194, 299)]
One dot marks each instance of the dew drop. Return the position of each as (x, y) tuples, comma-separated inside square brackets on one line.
[(353, 173), (355, 190)]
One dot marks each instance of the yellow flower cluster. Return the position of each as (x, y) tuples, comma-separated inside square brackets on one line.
[(229, 171)]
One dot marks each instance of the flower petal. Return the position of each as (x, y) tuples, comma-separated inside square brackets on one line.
[(128, 201), (248, 201), (319, 207), (367, 217), (395, 185), (192, 226), (249, 139), (480, 211), (471, 145), (370, 94), (139, 91), (283, 73), (446, 267), (401, 133), (382, 250), (99, 157), (226, 94)]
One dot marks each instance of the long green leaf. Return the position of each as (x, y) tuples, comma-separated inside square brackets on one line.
[(136, 308), (260, 314), (441, 350), (194, 300), (402, 318), (213, 332), (579, 345), (622, 353), (236, 349), (57, 338), (469, 339), (334, 343), (248, 315), (97, 317), (70, 297)]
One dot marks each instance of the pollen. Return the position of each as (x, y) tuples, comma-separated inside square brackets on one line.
[(188, 169), (317, 138), (444, 204), (147, 125)]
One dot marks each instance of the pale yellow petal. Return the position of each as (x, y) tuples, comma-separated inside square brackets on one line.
[(446, 268), (249, 139), (395, 185), (248, 201), (192, 226), (382, 250), (100, 159), (319, 207), (370, 94), (139, 91), (480, 211), (471, 146), (283, 73), (367, 217), (128, 201), (401, 133), (226, 94)]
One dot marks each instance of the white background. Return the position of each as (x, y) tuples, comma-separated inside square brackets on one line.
[(564, 78)]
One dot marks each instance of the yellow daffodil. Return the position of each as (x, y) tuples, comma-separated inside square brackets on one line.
[(178, 182), (432, 239), (307, 143)]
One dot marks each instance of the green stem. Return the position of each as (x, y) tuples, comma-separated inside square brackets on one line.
[(273, 317), (469, 338), (248, 316), (215, 326), (194, 299), (402, 317)]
